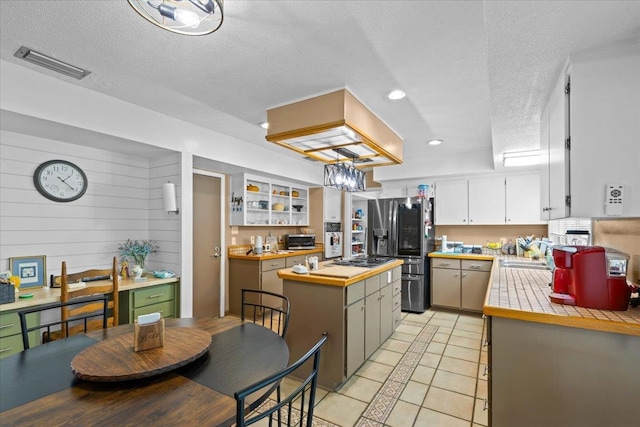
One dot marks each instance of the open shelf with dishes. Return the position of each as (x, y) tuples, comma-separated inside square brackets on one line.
[(262, 201), (358, 229)]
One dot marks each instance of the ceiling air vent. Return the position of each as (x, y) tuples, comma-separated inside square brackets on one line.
[(51, 63)]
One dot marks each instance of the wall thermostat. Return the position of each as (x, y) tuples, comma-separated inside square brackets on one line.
[(613, 199)]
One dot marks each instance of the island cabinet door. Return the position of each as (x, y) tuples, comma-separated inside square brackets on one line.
[(386, 313), (372, 324), (355, 336)]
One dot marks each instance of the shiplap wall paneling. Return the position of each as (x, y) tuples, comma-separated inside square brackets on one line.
[(164, 227), (85, 232)]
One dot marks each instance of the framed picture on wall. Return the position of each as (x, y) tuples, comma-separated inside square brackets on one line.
[(31, 270)]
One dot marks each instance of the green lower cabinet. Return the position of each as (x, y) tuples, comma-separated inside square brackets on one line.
[(11, 333), (164, 299)]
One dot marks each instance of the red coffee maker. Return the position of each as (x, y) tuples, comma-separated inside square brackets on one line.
[(591, 277)]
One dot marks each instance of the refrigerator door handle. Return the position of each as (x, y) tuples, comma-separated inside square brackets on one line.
[(394, 227)]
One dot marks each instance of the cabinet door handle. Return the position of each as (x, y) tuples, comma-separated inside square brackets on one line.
[(444, 264), (485, 371), (154, 296), (464, 274), (2, 350), (456, 275), (486, 343), (475, 266), (485, 406), (7, 326)]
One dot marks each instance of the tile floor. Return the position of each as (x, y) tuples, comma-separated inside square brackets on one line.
[(430, 372)]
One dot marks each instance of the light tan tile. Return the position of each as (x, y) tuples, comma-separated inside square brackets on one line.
[(340, 409), (427, 417), (375, 371), (442, 322), (467, 334), (449, 402), (436, 347), (395, 345), (482, 390), (459, 366), (403, 414), (462, 353), (469, 327), (423, 374), (430, 359), (465, 342), (360, 388), (445, 315), (480, 415), (443, 338), (386, 357), (409, 329), (422, 318), (474, 319), (445, 330), (401, 336), (454, 382), (414, 392)]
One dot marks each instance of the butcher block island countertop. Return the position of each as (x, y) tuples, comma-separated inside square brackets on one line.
[(240, 252), (328, 274)]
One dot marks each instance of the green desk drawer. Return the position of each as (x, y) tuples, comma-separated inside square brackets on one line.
[(164, 308), (9, 324), (153, 295), (13, 344)]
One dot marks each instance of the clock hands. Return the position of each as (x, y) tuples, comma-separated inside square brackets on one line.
[(66, 182)]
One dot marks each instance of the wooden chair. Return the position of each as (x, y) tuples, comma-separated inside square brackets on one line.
[(68, 293), (98, 300), (266, 308), (295, 402)]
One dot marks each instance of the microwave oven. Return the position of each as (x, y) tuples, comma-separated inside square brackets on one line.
[(300, 241)]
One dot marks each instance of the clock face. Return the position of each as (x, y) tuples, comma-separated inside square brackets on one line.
[(60, 181)]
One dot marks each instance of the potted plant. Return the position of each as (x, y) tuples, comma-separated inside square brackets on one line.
[(137, 251)]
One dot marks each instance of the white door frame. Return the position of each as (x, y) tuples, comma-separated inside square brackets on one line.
[(223, 252)]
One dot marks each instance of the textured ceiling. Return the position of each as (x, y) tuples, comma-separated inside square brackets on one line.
[(476, 73)]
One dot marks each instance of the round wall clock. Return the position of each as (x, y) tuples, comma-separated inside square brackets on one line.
[(60, 181)]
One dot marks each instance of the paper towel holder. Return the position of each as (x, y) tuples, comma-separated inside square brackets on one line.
[(169, 197)]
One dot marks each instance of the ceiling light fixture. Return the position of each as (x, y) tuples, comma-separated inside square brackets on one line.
[(435, 142), (521, 158), (188, 17), (344, 176), (394, 95), (50, 63), (264, 125), (318, 126)]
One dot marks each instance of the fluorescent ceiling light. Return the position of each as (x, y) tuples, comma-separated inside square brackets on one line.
[(50, 63), (521, 158), (435, 142), (396, 94)]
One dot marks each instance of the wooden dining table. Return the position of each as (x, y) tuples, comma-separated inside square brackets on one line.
[(37, 386)]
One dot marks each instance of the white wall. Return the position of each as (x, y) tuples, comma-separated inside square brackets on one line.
[(85, 233)]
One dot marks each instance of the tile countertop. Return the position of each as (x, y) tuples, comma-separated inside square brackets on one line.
[(47, 295), (523, 294), (239, 252)]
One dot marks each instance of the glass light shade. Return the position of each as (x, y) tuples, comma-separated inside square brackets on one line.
[(188, 17)]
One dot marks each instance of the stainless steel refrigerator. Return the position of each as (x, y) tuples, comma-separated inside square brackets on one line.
[(403, 228)]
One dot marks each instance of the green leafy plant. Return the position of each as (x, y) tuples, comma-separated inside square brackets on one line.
[(137, 250)]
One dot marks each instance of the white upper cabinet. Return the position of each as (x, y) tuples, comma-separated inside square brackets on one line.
[(486, 201), (601, 117), (452, 203), (523, 199), (493, 200), (554, 144), (332, 205)]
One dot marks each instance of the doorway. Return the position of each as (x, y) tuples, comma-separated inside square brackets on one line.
[(208, 235)]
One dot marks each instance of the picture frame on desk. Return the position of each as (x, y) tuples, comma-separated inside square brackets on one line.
[(32, 270)]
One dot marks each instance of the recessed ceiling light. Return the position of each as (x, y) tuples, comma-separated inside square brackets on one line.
[(394, 95), (264, 125), (435, 142)]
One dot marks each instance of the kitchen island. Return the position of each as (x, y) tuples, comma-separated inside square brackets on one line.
[(557, 365), (358, 307)]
